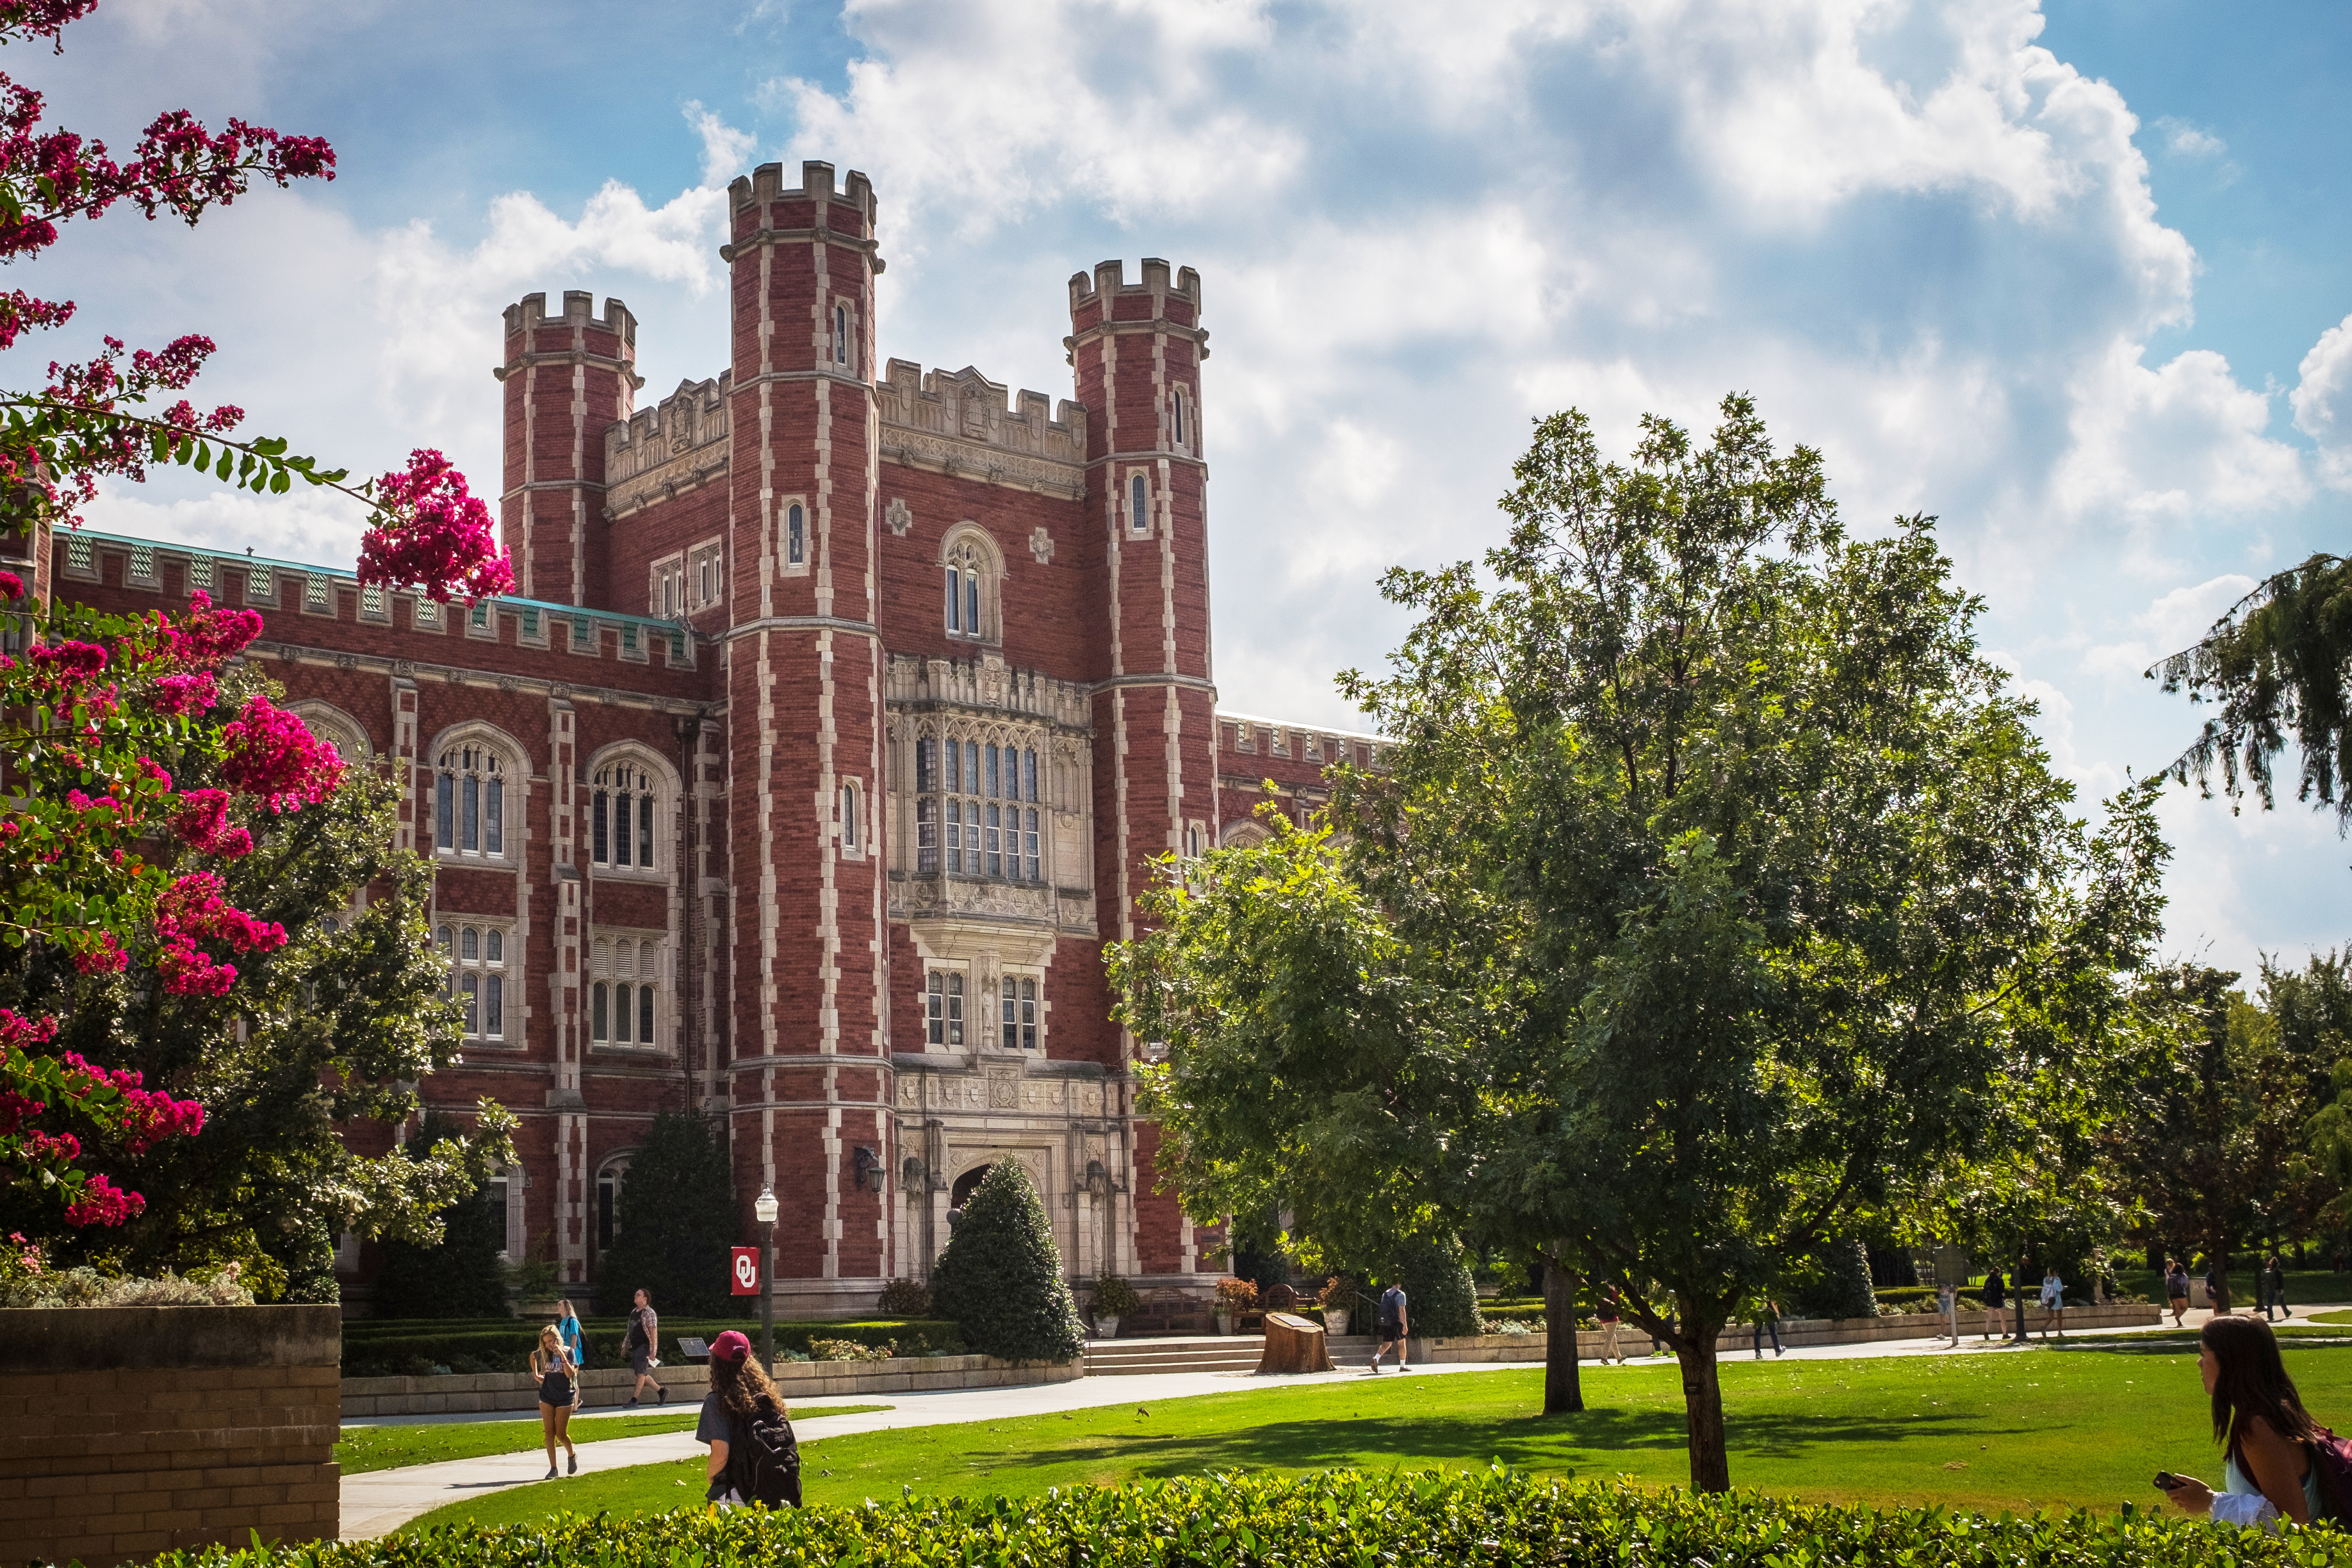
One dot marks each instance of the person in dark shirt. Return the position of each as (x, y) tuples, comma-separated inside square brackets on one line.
[(738, 1386), (643, 1347), (1996, 1297)]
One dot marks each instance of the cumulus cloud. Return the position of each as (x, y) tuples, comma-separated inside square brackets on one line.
[(2170, 623), (2183, 140), (2322, 401)]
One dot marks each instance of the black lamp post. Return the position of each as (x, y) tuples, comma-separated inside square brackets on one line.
[(763, 1209)]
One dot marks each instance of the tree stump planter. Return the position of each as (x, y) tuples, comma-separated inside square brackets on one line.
[(1293, 1344)]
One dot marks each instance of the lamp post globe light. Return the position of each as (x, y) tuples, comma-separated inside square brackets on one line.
[(763, 1209)]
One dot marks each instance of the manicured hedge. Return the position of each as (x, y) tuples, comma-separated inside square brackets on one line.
[(1340, 1518), (388, 1349)]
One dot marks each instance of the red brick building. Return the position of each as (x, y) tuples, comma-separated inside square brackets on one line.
[(840, 717)]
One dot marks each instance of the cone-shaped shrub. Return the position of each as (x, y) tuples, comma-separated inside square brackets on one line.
[(1441, 1299), (1001, 1276)]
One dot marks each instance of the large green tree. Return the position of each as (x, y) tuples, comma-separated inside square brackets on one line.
[(673, 1221), (316, 1054), (1714, 895)]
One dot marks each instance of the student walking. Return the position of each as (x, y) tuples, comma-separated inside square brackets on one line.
[(741, 1393), (2053, 1303), (554, 1368), (2269, 1468), (575, 1346), (1767, 1319), (1996, 1298), (2176, 1291), (1396, 1329), (1606, 1314), (2274, 1279), (1947, 1301), (643, 1347)]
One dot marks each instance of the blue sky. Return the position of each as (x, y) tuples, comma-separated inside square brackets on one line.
[(2078, 278)]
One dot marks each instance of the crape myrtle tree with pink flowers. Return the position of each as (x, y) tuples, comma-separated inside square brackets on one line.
[(211, 960)]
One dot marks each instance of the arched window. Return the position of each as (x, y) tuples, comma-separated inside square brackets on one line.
[(982, 819), (1138, 505), (852, 830), (610, 1180), (625, 991), (1180, 417), (841, 334), (476, 954), (469, 801), (963, 569), (795, 535), (623, 813)]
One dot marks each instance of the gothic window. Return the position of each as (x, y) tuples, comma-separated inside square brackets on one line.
[(841, 334), (469, 801), (853, 840), (976, 811), (624, 809), (1180, 437), (795, 535), (944, 1008), (476, 955), (1138, 504), (625, 992), (1018, 1030), (964, 570)]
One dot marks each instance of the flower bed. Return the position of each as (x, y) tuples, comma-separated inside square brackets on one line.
[(1340, 1518)]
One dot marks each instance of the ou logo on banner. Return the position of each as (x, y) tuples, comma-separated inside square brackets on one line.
[(745, 1271)]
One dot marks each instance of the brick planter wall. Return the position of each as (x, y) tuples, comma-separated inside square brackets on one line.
[(798, 1380), (127, 1431)]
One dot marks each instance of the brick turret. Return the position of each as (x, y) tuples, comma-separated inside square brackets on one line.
[(1137, 350), (811, 1083), (567, 377)]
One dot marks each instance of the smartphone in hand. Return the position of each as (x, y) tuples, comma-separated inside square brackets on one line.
[(2166, 1480)]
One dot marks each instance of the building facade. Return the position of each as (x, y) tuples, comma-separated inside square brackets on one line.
[(843, 714)]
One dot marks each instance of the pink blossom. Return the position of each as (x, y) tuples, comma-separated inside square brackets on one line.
[(192, 693), (433, 534), (12, 586), (150, 1115), (269, 753), (203, 822), (106, 957), (208, 635), (103, 1202)]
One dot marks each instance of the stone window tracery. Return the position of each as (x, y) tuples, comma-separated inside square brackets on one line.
[(625, 991), (976, 811), (469, 801), (476, 953), (963, 584), (624, 811)]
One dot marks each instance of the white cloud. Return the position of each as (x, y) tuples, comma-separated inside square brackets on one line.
[(2170, 623), (2322, 401), (2183, 140)]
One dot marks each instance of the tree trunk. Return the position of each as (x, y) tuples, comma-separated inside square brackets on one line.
[(1563, 1384), (1710, 1458), (2218, 1252)]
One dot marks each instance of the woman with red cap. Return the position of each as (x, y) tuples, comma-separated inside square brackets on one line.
[(739, 1393)]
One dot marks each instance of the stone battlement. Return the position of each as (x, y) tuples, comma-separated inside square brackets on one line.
[(1109, 278), (965, 406), (766, 183), (579, 310), (682, 441)]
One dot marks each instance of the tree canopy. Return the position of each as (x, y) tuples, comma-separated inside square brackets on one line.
[(1715, 895)]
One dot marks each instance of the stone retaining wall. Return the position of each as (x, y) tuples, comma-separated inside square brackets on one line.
[(1794, 1331), (800, 1381), (127, 1431)]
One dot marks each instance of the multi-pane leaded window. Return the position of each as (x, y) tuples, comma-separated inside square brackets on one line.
[(621, 816), (963, 592), (625, 992), (470, 802), (477, 960), (1019, 1024), (976, 810), (943, 1007)]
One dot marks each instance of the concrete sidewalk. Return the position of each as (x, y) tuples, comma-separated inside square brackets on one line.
[(382, 1501)]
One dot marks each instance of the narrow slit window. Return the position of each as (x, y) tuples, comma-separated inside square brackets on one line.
[(1029, 844), (841, 334), (955, 837), (1138, 505), (995, 852), (795, 535), (850, 817), (927, 838), (1180, 417)]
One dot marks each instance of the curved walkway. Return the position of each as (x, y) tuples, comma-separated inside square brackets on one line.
[(381, 1501)]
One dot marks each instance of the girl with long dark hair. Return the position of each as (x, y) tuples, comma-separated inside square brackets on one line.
[(2265, 1433), (739, 1389)]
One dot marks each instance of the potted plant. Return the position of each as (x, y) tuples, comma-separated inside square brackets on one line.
[(1114, 1299), (1338, 1298), (1234, 1297)]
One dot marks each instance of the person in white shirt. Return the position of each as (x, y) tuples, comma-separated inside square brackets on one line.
[(2269, 1471), (2053, 1303)]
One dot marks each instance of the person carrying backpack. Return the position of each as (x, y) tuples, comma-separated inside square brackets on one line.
[(2278, 1463), (754, 1459)]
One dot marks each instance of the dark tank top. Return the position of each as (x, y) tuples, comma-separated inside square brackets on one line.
[(554, 1387)]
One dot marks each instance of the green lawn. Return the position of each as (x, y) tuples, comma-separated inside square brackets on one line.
[(365, 1448), (2024, 1429)]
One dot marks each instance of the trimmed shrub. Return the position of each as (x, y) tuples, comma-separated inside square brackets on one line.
[(905, 1298), (1337, 1518), (1837, 1285), (459, 1277), (1441, 1299), (675, 1219), (1115, 1298), (373, 1348), (1001, 1277)]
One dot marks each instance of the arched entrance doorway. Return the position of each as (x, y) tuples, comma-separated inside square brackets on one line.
[(967, 1185)]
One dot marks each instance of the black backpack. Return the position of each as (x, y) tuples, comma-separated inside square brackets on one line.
[(766, 1458)]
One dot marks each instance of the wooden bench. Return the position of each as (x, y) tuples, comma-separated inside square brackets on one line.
[(1161, 1309)]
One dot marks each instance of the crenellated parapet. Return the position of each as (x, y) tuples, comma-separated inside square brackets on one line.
[(682, 441), (959, 422), (1109, 278)]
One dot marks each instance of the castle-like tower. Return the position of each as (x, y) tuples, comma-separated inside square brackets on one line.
[(846, 712)]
